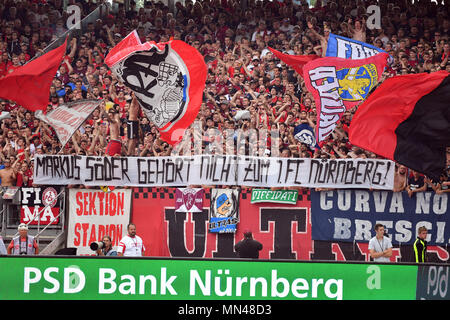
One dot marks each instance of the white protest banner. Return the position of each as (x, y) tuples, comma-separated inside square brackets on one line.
[(135, 171), (67, 118), (216, 170), (94, 214)]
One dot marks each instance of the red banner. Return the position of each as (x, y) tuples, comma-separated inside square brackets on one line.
[(284, 230)]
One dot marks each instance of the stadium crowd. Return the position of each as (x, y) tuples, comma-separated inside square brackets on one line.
[(242, 73)]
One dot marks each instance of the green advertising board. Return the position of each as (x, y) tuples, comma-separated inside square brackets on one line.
[(88, 278)]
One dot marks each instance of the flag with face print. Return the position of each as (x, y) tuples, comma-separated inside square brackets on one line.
[(224, 210), (167, 79)]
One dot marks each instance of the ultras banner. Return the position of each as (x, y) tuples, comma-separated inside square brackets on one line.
[(94, 214), (214, 170), (283, 229), (350, 215)]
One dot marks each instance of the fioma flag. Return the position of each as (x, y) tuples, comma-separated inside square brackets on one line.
[(189, 199), (167, 79), (407, 119), (339, 84)]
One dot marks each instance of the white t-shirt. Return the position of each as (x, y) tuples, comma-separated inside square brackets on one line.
[(380, 246), (131, 246)]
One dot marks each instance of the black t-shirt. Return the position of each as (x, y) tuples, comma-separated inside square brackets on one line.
[(248, 248), (415, 184)]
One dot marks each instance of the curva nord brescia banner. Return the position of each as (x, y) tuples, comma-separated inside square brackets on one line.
[(350, 215), (214, 170)]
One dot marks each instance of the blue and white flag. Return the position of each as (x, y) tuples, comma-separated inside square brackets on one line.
[(224, 210), (342, 47), (305, 134)]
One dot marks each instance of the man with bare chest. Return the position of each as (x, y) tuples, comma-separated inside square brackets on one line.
[(133, 126), (114, 147), (400, 178), (7, 174)]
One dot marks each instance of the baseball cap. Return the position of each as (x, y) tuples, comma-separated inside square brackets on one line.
[(22, 226)]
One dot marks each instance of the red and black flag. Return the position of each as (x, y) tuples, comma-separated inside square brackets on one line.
[(407, 119)]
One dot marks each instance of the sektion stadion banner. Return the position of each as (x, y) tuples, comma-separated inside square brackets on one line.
[(94, 214), (214, 170)]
